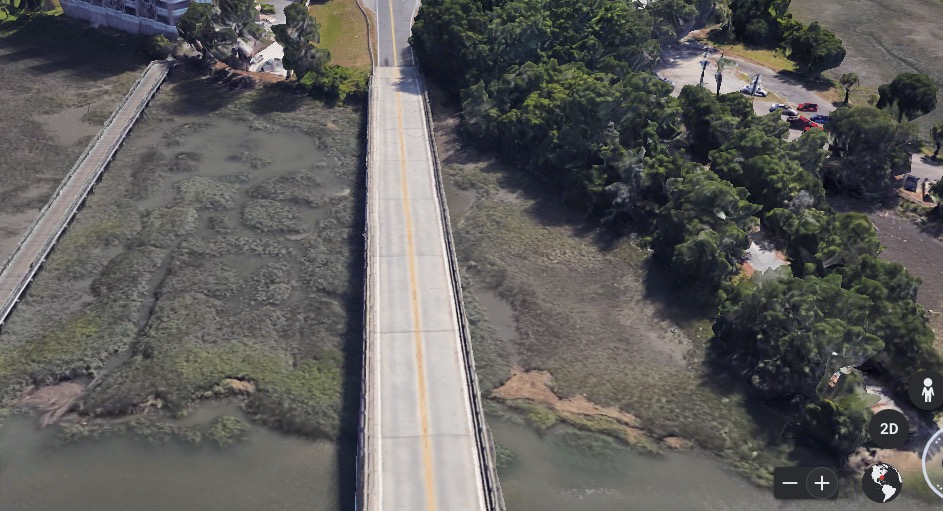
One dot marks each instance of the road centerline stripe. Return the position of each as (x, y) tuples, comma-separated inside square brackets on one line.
[(428, 478), (393, 43)]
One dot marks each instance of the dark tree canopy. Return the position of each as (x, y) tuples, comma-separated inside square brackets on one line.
[(761, 164), (196, 27), (785, 330), (816, 49), (871, 149), (708, 121), (671, 17), (702, 232), (909, 95), (298, 36)]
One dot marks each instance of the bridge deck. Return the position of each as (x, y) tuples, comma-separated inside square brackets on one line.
[(29, 254), (420, 431)]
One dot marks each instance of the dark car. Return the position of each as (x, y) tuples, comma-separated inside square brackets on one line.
[(910, 183), (808, 107), (820, 118)]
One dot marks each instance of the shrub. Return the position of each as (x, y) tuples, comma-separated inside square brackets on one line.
[(158, 47)]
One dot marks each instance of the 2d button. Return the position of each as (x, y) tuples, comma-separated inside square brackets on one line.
[(926, 390), (889, 429), (822, 483)]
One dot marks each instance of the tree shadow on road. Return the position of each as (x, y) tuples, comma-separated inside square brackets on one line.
[(817, 84), (929, 160)]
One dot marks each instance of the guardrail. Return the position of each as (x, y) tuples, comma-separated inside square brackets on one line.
[(364, 484), (487, 463), (366, 18), (11, 300)]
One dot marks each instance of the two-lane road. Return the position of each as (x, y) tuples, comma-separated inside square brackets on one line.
[(422, 449), (394, 24)]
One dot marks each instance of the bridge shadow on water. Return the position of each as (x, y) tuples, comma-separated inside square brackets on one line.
[(354, 337)]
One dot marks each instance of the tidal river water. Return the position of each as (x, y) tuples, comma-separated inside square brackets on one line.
[(270, 471)]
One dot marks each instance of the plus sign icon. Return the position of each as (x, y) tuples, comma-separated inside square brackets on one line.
[(822, 483)]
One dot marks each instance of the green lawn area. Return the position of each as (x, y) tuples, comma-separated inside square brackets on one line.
[(774, 60), (343, 32)]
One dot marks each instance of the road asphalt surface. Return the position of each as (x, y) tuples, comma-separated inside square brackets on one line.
[(394, 24), (421, 452)]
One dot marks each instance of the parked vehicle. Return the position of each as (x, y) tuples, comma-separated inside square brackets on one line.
[(910, 182), (820, 118), (787, 110), (759, 91), (777, 106), (800, 122), (808, 107), (813, 126)]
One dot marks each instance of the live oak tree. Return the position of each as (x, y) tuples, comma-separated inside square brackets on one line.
[(709, 123), (816, 49), (197, 28), (564, 90), (760, 163), (870, 149), (701, 233), (909, 94), (783, 331), (298, 36), (671, 17), (839, 426)]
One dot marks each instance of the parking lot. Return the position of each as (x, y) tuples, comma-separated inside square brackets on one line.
[(681, 65)]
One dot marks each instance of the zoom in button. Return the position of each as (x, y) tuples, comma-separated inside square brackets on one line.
[(791, 483)]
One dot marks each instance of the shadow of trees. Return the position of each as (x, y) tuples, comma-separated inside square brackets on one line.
[(61, 44)]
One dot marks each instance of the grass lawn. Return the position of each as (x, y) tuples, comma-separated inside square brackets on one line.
[(773, 59), (343, 32)]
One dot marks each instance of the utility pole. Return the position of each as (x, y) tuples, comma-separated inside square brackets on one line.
[(704, 64)]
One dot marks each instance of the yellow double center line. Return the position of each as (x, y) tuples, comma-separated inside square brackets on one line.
[(428, 479)]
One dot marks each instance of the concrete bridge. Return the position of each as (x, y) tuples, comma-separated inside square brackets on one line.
[(42, 235), (424, 443)]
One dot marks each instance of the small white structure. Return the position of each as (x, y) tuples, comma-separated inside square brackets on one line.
[(269, 60)]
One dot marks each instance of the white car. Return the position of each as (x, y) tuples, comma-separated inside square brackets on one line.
[(759, 91), (787, 110)]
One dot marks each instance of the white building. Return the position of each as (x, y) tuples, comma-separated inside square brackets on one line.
[(150, 17)]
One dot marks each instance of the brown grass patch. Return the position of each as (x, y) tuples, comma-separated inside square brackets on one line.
[(536, 386)]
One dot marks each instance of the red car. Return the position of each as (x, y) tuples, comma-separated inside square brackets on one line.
[(799, 122), (808, 107), (813, 126)]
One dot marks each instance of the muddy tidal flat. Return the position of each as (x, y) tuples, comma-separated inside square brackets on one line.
[(55, 98), (218, 259)]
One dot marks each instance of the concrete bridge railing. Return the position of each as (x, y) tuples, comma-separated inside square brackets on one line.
[(152, 77), (488, 466)]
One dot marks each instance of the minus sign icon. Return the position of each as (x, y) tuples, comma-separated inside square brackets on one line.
[(790, 482)]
